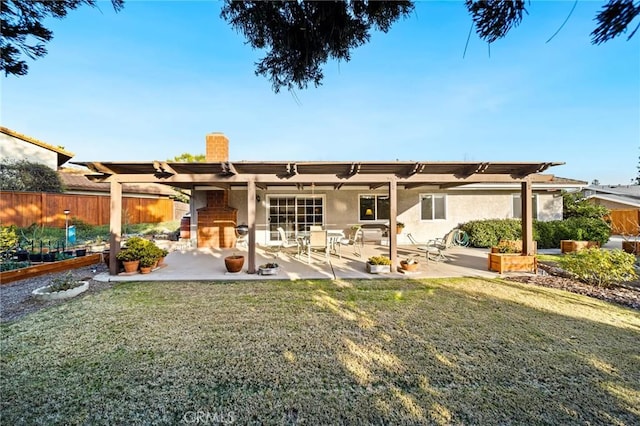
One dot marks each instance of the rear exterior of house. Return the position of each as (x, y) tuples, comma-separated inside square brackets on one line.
[(426, 213)]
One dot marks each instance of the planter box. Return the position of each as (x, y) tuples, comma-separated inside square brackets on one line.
[(264, 270), (509, 262), (569, 246), (47, 268), (378, 269), (632, 247)]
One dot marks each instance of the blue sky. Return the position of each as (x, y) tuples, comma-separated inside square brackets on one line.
[(151, 81)]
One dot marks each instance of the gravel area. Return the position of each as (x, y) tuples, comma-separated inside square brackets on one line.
[(627, 294), (16, 300)]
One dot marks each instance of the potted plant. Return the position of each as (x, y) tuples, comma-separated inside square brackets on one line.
[(163, 253), (146, 263), (62, 287), (268, 269), (234, 263), (378, 264), (130, 259), (410, 264), (399, 227)]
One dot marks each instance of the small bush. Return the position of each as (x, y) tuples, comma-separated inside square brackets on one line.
[(63, 283), (8, 237), (379, 260), (11, 265), (603, 268)]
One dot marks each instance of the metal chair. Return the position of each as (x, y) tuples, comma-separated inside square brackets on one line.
[(356, 240), (285, 243), (430, 248)]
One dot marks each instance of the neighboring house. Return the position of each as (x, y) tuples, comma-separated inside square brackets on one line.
[(430, 198), (624, 203), (16, 146)]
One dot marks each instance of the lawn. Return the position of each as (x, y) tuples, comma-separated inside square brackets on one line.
[(448, 351)]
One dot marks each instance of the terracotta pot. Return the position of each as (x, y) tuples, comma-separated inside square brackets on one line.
[(145, 269), (408, 266), (161, 261), (234, 263), (131, 265)]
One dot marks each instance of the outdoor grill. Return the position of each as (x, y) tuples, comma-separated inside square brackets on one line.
[(242, 230)]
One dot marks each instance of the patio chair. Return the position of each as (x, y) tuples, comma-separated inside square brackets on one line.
[(285, 244), (356, 240), (318, 241), (430, 248)]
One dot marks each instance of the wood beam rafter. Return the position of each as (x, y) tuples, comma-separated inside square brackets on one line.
[(532, 170), (163, 169), (228, 169), (417, 168), (473, 170), (100, 168)]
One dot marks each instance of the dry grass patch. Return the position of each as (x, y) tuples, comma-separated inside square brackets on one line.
[(467, 351)]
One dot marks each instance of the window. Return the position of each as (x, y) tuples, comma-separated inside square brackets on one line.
[(374, 207), (433, 207), (294, 214), (517, 206)]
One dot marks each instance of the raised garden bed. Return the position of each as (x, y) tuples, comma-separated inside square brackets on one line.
[(48, 268), (512, 262), (570, 246), (632, 247)]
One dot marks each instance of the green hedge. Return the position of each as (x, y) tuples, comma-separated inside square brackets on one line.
[(603, 268), (488, 233)]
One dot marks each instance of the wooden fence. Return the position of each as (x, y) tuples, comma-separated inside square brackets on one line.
[(24, 208), (625, 221)]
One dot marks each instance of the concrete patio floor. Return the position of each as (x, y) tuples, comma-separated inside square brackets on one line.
[(189, 264)]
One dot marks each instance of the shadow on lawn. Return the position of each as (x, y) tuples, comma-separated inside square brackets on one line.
[(478, 358)]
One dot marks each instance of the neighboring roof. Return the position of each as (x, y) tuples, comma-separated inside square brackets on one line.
[(75, 180), (623, 190), (63, 155), (630, 201), (407, 173)]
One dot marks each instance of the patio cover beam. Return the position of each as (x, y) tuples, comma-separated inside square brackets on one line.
[(251, 219), (526, 196), (262, 179), (115, 226)]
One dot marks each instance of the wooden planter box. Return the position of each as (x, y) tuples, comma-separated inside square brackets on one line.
[(47, 268), (510, 262), (632, 247), (569, 246)]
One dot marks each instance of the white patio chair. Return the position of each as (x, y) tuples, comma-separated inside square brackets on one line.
[(285, 244), (430, 248), (318, 241), (356, 240)]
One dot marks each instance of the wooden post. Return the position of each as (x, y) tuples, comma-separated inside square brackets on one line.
[(527, 218), (393, 212), (251, 222), (115, 226)]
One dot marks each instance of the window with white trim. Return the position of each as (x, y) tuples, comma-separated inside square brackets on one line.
[(293, 214), (373, 207), (433, 206), (517, 206)]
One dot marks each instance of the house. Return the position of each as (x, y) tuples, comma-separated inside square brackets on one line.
[(430, 198), (624, 203), (16, 146)]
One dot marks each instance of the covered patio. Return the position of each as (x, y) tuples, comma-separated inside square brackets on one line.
[(215, 179)]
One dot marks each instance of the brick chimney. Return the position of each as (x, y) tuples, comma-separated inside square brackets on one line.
[(217, 221), (217, 148)]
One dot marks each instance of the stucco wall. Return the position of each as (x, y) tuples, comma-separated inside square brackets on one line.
[(462, 206), (17, 149)]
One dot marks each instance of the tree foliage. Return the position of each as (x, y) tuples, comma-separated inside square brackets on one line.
[(27, 176), (299, 37), (186, 157), (575, 205), (22, 20)]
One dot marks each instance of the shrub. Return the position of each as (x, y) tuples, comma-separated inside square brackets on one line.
[(65, 282), (28, 176), (487, 233), (8, 237), (379, 260), (603, 268), (11, 265)]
